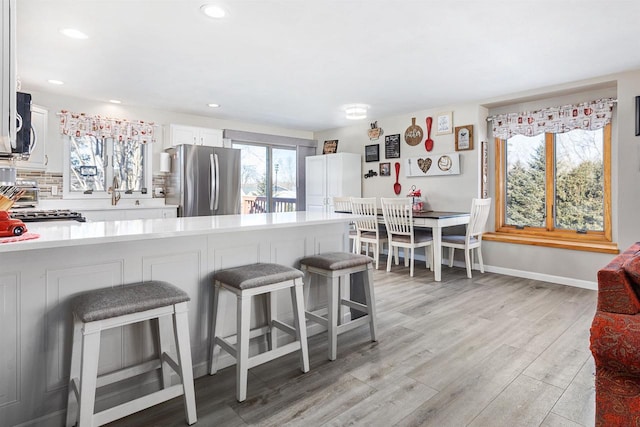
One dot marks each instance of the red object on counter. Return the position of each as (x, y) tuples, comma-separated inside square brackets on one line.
[(10, 227)]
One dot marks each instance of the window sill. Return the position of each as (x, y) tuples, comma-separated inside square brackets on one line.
[(589, 246)]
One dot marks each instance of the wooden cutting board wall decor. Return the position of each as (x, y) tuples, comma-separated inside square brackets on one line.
[(413, 135)]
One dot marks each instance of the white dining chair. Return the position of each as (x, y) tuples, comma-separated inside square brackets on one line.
[(398, 218), (343, 204), (368, 229), (472, 239)]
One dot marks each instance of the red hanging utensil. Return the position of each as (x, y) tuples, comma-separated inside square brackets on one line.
[(428, 144), (397, 188)]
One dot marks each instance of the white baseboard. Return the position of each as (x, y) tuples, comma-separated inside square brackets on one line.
[(568, 281)]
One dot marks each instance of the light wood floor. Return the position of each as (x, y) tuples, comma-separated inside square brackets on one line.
[(489, 351)]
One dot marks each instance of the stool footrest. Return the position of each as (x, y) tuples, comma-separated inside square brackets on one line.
[(352, 324), (136, 405), (355, 305), (284, 327), (316, 318), (129, 372), (273, 354)]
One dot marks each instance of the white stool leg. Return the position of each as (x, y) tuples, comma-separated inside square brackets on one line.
[(165, 337), (88, 373), (342, 309), (270, 308), (451, 252), (300, 324), (183, 343), (217, 323), (242, 346), (332, 315), (74, 374), (370, 299)]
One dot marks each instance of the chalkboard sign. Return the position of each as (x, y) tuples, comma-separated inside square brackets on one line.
[(392, 146)]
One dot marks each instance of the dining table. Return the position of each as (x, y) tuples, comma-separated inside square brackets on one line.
[(436, 221)]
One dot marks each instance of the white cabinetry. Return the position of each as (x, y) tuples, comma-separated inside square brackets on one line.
[(38, 159), (331, 175), (122, 214), (180, 134)]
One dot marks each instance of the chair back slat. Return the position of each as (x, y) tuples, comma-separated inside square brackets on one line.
[(342, 204), (479, 214), (398, 216), (367, 207)]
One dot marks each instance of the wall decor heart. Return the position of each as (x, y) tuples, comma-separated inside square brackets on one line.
[(424, 164)]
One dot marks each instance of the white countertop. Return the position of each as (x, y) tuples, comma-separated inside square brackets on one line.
[(69, 233)]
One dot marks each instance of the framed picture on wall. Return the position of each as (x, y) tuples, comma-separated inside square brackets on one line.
[(385, 169), (392, 146), (372, 153), (444, 123), (330, 146), (464, 138)]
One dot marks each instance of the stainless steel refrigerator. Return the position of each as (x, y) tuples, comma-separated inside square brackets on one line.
[(204, 180)]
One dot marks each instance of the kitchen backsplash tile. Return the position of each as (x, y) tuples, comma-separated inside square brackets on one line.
[(46, 180)]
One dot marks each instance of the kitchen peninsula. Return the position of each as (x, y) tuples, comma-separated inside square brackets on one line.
[(38, 276)]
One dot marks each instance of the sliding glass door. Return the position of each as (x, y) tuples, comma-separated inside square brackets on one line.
[(268, 178)]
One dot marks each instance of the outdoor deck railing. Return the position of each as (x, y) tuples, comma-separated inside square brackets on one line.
[(258, 204)]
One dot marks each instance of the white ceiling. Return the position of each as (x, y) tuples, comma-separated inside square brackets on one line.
[(296, 63)]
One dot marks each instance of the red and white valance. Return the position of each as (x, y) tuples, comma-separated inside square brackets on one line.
[(587, 115), (81, 124)]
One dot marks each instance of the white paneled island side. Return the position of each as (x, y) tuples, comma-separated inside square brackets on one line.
[(37, 278)]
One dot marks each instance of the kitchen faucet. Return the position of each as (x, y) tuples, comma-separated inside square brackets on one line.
[(113, 190)]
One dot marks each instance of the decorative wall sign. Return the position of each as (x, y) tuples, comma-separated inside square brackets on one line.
[(374, 132), (330, 146), (372, 153), (444, 123), (413, 134), (432, 165), (392, 146), (370, 174), (464, 137), (385, 169)]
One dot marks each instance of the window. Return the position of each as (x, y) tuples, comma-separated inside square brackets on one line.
[(94, 165), (555, 186)]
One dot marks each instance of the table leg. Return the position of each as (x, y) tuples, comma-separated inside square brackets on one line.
[(437, 252)]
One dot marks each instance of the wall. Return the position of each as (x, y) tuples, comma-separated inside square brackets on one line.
[(452, 192), (565, 266)]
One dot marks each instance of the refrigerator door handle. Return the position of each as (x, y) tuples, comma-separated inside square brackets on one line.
[(213, 181), (217, 176)]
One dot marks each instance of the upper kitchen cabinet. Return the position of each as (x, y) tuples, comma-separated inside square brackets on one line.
[(181, 134), (331, 175), (38, 159)]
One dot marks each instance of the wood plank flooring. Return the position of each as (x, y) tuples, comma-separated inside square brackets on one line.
[(489, 351)]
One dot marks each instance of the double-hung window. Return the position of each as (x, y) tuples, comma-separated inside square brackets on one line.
[(553, 177)]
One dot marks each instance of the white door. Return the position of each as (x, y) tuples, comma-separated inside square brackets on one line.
[(316, 183)]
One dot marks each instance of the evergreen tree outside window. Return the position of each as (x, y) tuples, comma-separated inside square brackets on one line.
[(555, 185)]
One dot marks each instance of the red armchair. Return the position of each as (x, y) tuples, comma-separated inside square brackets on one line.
[(615, 341)]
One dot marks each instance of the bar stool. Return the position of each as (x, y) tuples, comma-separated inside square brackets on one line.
[(102, 309), (245, 282), (333, 266)]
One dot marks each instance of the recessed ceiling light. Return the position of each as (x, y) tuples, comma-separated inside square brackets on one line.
[(115, 101), (356, 111), (213, 11), (74, 34), (55, 82), (213, 105)]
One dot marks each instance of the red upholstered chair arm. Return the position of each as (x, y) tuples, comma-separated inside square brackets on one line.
[(615, 342), (618, 283)]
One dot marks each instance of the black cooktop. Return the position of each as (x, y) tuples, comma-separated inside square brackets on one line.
[(47, 215)]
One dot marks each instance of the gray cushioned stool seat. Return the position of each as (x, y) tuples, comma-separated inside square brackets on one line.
[(255, 275), (113, 302), (336, 260)]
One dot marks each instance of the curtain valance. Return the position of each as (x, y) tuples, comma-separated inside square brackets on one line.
[(587, 115), (81, 124)]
